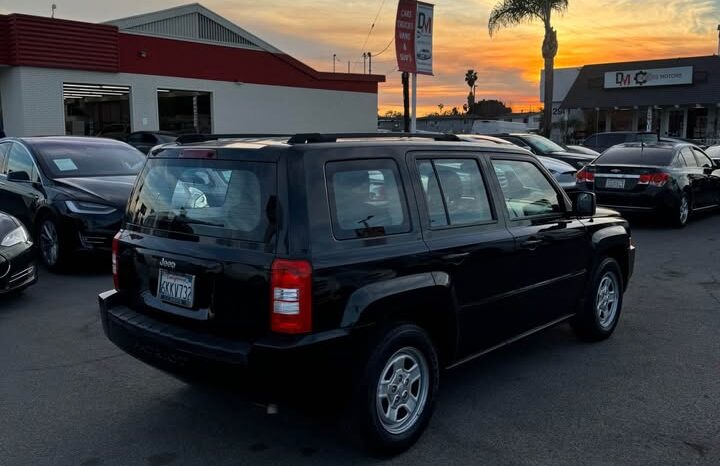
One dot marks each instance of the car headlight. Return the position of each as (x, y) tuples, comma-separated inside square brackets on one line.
[(90, 208), (17, 236)]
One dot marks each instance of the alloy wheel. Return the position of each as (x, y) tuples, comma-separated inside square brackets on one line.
[(402, 390), (606, 301), (49, 243), (684, 211)]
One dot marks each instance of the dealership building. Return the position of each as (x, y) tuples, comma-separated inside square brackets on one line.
[(185, 69), (678, 97)]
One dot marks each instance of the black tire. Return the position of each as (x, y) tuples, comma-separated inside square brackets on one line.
[(593, 321), (54, 262), (400, 341), (679, 218)]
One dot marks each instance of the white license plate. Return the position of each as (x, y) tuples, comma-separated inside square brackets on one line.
[(615, 183), (176, 288)]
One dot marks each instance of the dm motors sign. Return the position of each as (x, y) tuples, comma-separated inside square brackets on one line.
[(649, 77)]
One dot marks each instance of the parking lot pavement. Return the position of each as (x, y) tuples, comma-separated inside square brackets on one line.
[(648, 396)]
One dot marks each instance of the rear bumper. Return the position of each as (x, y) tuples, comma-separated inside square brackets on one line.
[(638, 202), (168, 346)]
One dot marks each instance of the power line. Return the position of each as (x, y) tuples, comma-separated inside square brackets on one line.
[(372, 26), (386, 48)]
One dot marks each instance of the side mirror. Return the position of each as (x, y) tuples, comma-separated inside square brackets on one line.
[(18, 176), (584, 204)]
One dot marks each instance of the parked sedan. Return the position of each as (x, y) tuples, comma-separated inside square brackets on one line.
[(146, 140), (17, 257), (70, 192), (563, 172), (673, 179), (539, 145)]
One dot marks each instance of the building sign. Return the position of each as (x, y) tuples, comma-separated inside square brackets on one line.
[(649, 77), (413, 37)]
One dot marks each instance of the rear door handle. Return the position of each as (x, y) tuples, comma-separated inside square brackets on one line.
[(456, 258), (532, 244)]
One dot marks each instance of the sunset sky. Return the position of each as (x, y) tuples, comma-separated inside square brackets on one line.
[(508, 64)]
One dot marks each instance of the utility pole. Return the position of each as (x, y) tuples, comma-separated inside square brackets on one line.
[(406, 101), (334, 60), (719, 40), (348, 66), (369, 63), (364, 63)]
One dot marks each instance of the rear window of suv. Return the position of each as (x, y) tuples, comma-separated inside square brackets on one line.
[(222, 199), (636, 156)]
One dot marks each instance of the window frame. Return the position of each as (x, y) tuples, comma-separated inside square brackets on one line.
[(561, 196), (335, 228), (422, 197), (3, 155), (700, 155), (692, 157)]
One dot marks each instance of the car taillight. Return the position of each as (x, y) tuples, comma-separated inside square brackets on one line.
[(115, 251), (585, 175), (291, 299), (654, 179)]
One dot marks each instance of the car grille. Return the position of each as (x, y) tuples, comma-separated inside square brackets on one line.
[(22, 277)]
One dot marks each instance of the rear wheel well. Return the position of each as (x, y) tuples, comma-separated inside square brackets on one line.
[(436, 315), (42, 214)]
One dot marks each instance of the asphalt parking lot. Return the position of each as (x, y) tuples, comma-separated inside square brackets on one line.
[(648, 396)]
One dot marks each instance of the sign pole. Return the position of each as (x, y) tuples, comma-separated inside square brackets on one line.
[(413, 124)]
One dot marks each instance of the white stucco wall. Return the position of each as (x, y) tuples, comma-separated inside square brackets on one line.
[(33, 105)]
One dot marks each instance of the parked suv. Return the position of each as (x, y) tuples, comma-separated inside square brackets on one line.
[(384, 259)]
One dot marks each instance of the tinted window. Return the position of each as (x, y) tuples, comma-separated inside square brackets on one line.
[(87, 159), (366, 199), (636, 156), (688, 158), (608, 140), (526, 190), (702, 159), (591, 141), (233, 200), (460, 197), (18, 160)]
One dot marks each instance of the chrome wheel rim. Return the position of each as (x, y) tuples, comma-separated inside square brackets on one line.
[(402, 390), (684, 210), (607, 300), (49, 243)]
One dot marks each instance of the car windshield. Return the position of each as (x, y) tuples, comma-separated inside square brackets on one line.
[(636, 156), (542, 144), (88, 159)]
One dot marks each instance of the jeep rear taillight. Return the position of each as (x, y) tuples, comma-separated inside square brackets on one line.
[(291, 299), (115, 252), (585, 175)]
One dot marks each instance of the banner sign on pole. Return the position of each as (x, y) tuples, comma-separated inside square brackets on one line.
[(423, 39), (413, 37), (405, 35)]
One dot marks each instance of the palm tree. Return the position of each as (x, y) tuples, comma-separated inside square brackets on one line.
[(471, 78), (513, 12)]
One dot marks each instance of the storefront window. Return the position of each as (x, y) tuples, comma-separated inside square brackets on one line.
[(184, 111), (697, 123), (97, 110), (676, 126)]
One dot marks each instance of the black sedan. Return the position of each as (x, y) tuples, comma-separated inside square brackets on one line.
[(146, 140), (17, 258), (70, 192), (674, 179), (539, 145)]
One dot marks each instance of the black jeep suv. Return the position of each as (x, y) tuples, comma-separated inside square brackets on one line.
[(385, 259)]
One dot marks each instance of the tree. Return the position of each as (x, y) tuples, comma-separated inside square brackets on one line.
[(490, 109), (512, 12), (471, 78)]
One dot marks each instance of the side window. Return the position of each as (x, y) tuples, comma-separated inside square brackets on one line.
[(148, 138), (137, 137), (678, 161), (702, 159), (18, 160), (366, 199), (687, 156), (527, 192), (455, 192), (4, 149), (591, 141)]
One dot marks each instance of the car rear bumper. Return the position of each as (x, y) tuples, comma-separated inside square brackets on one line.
[(637, 202), (169, 346)]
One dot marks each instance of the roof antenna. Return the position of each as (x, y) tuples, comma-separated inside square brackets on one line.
[(53, 8)]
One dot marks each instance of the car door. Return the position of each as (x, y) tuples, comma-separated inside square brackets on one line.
[(711, 182), (19, 198), (468, 241), (552, 252), (696, 178)]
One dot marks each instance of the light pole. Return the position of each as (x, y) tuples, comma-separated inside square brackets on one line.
[(719, 40), (334, 60)]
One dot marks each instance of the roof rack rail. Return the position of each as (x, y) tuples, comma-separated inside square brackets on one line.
[(192, 138), (310, 138)]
